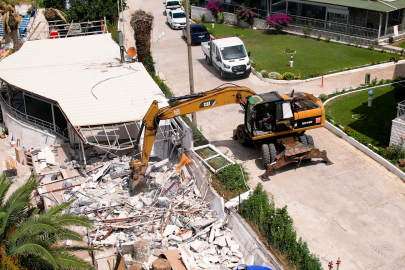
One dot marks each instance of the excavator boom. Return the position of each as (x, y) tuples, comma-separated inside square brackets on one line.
[(190, 104)]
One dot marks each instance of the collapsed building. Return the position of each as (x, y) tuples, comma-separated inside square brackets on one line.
[(76, 110)]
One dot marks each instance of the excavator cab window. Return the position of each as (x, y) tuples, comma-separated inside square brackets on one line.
[(284, 116)]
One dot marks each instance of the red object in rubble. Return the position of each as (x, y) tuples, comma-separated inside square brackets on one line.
[(53, 34)]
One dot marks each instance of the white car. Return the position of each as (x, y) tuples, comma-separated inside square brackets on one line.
[(172, 4), (176, 19)]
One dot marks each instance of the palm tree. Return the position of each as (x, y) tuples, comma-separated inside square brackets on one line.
[(51, 14), (29, 240), (11, 20), (142, 24)]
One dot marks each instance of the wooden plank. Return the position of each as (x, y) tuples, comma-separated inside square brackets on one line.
[(174, 257)]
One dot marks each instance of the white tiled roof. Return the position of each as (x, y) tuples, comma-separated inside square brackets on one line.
[(84, 76)]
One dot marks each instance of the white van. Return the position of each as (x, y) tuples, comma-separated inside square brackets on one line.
[(228, 55)]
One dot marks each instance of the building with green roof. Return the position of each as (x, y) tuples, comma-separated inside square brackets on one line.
[(369, 20)]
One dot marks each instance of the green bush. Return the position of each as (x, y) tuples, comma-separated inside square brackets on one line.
[(165, 89), (370, 48), (198, 138), (232, 177), (323, 97), (276, 227), (41, 4)]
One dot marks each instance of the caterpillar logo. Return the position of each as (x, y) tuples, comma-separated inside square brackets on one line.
[(208, 103)]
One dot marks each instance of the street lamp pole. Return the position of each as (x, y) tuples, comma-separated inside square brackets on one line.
[(190, 59), (157, 51)]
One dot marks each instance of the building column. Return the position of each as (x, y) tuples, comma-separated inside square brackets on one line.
[(269, 4), (25, 107), (53, 118), (347, 23), (326, 18), (286, 8), (379, 28), (403, 20), (386, 24)]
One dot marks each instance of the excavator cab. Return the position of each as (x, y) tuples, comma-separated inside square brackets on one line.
[(268, 113)]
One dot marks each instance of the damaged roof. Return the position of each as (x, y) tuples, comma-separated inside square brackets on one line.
[(85, 77)]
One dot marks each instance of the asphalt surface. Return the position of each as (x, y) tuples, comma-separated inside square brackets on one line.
[(353, 209)]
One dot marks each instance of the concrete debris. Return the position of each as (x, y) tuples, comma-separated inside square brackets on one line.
[(167, 214)]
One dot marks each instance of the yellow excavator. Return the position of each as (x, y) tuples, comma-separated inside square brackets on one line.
[(281, 136)]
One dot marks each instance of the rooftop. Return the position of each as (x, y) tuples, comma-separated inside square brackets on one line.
[(380, 6), (85, 77)]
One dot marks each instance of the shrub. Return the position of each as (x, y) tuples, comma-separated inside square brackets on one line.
[(214, 7), (274, 75), (383, 50), (263, 72), (233, 177), (278, 21), (373, 62), (265, 75), (195, 2), (165, 89), (253, 64), (245, 14), (394, 58), (328, 39), (220, 16), (288, 76), (371, 48), (202, 17), (319, 37), (323, 97), (276, 227), (374, 81), (402, 52), (289, 51), (307, 30)]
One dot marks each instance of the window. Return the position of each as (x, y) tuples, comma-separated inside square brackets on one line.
[(198, 29), (233, 52), (173, 3), (179, 15)]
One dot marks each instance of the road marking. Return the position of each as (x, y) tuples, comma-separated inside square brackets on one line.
[(345, 171)]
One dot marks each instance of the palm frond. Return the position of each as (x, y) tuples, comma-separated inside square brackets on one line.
[(34, 247), (67, 234), (23, 191), (5, 184), (66, 261), (57, 209), (12, 215), (71, 219), (33, 226), (63, 249)]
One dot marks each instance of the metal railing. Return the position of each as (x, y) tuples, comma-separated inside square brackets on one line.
[(401, 109), (61, 29), (334, 27), (32, 121), (390, 30)]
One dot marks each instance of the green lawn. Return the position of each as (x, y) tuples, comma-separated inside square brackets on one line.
[(313, 58), (401, 44), (377, 125)]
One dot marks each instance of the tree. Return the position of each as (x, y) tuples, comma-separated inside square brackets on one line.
[(52, 14), (57, 4), (11, 20), (278, 21), (142, 23), (93, 10), (29, 240)]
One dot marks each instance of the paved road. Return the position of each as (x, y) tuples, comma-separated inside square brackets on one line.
[(354, 209)]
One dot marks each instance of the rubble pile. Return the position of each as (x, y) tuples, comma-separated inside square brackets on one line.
[(169, 213)]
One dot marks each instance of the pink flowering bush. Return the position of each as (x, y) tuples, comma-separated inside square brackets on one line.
[(278, 21), (245, 14), (214, 7)]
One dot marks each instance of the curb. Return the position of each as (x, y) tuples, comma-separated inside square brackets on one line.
[(385, 163), (326, 76), (388, 165)]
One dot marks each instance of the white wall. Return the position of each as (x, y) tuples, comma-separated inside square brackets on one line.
[(397, 130), (28, 136)]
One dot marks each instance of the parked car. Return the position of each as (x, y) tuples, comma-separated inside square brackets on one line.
[(198, 33), (176, 19), (172, 4)]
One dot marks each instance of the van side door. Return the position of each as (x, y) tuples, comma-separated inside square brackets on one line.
[(215, 56)]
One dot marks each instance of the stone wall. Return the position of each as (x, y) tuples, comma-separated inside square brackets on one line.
[(397, 130), (229, 18)]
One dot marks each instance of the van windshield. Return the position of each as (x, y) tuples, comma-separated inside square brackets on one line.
[(233, 52), (179, 15), (173, 3)]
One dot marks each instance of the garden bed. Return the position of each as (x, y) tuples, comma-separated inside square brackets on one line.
[(312, 58)]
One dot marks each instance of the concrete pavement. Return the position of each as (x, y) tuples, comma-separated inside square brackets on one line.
[(354, 209)]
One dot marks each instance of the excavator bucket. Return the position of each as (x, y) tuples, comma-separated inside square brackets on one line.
[(294, 154)]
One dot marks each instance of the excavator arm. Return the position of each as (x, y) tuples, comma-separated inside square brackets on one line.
[(190, 104)]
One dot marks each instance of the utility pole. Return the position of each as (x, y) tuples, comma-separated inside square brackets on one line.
[(122, 19), (190, 60)]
